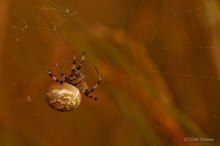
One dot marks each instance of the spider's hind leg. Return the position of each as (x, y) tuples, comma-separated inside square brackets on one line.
[(53, 77), (88, 94), (98, 82)]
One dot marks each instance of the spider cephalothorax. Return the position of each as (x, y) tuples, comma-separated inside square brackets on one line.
[(64, 96)]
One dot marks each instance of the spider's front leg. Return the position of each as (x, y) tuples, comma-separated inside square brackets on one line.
[(73, 67), (78, 67), (81, 61)]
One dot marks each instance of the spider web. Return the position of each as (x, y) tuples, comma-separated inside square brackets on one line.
[(19, 64)]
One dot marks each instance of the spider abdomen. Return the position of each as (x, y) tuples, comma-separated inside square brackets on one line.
[(63, 97)]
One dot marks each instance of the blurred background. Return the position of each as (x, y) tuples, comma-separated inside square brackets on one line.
[(159, 62)]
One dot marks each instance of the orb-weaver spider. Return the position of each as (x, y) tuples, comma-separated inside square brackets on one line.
[(65, 95)]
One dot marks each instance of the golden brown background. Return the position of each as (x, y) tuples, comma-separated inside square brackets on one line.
[(159, 62)]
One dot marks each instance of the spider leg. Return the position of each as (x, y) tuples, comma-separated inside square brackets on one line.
[(53, 77), (82, 86), (81, 61), (98, 82), (73, 67), (88, 94), (64, 77)]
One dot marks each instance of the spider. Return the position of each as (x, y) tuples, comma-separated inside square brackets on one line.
[(65, 94)]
